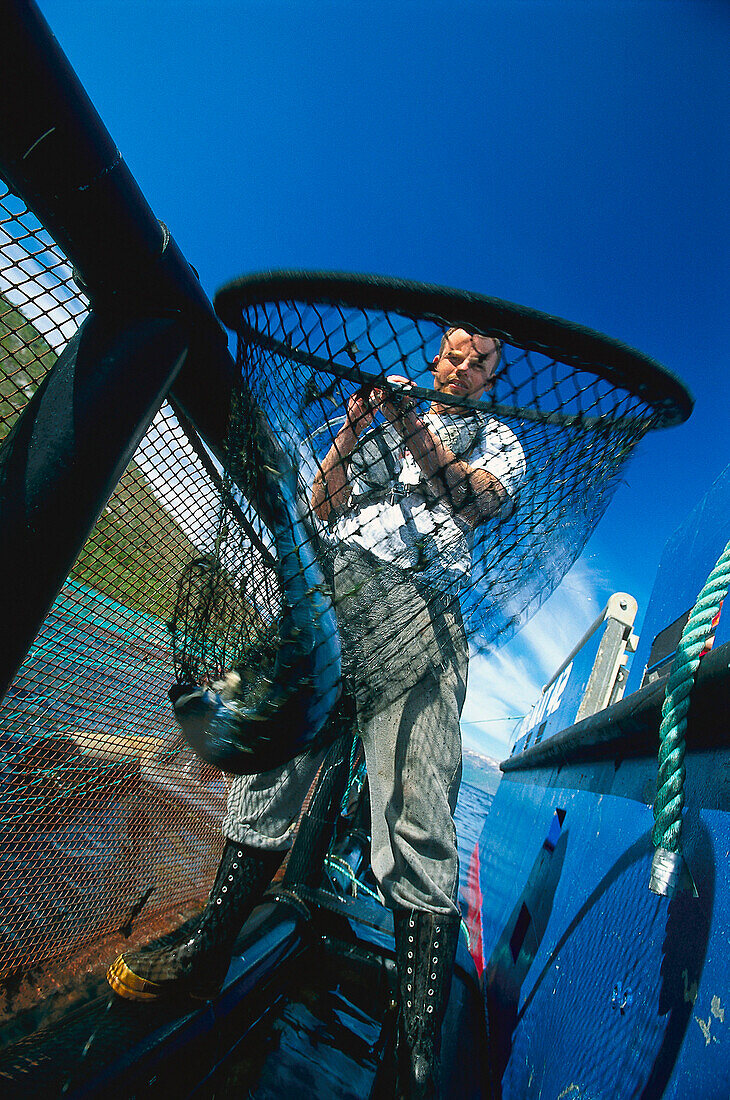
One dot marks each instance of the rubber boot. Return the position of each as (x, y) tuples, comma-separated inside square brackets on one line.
[(425, 949), (197, 967)]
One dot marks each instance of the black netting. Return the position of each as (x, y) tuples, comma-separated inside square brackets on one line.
[(228, 600), (100, 805), (575, 430), (415, 471), (40, 305), (556, 434), (109, 828)]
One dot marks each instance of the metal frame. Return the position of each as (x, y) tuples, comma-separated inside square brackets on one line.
[(605, 684), (630, 727), (530, 329), (607, 677), (151, 326)]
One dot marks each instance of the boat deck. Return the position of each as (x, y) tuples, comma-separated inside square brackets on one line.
[(306, 1010)]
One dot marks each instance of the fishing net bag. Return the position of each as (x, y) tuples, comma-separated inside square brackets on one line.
[(326, 461)]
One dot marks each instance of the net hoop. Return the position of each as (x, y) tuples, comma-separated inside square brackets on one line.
[(527, 329)]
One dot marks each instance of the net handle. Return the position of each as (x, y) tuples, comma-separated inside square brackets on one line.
[(528, 329)]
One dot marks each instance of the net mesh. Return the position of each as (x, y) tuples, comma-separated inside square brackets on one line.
[(444, 476), (109, 826), (40, 306), (106, 822), (516, 481), (229, 600)]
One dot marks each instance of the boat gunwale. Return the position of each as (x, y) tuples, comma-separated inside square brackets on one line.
[(630, 727)]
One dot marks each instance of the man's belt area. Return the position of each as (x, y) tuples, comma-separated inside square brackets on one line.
[(440, 600)]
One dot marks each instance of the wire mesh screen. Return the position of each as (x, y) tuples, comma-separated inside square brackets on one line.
[(107, 825), (40, 306), (100, 803), (554, 434), (228, 601)]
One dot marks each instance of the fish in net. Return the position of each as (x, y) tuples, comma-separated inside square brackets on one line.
[(406, 467)]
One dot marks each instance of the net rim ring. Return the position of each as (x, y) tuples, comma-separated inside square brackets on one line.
[(522, 327)]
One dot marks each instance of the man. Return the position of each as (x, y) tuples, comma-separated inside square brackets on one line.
[(402, 500), (401, 495)]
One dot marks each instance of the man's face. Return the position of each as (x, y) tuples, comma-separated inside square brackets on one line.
[(466, 366)]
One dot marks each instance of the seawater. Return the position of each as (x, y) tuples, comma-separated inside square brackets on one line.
[(471, 812)]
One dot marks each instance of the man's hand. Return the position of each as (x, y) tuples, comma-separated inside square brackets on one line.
[(394, 404), (331, 490), (360, 411), (473, 494)]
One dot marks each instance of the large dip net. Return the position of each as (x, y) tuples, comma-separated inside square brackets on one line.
[(430, 513), (566, 411)]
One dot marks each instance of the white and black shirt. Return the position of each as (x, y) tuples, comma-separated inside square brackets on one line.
[(394, 516)]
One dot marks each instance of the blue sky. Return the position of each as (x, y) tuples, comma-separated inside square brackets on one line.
[(569, 155)]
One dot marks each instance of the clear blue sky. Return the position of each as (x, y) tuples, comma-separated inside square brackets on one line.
[(570, 155)]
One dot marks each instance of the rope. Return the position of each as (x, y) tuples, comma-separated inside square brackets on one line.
[(669, 801), (356, 773)]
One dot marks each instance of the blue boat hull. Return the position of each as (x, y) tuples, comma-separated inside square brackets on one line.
[(594, 986)]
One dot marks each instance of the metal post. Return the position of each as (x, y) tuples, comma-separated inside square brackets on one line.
[(58, 156)]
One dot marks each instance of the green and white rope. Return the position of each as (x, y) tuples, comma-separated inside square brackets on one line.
[(334, 863), (669, 801)]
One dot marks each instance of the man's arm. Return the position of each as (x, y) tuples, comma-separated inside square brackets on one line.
[(331, 490), (474, 495)]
